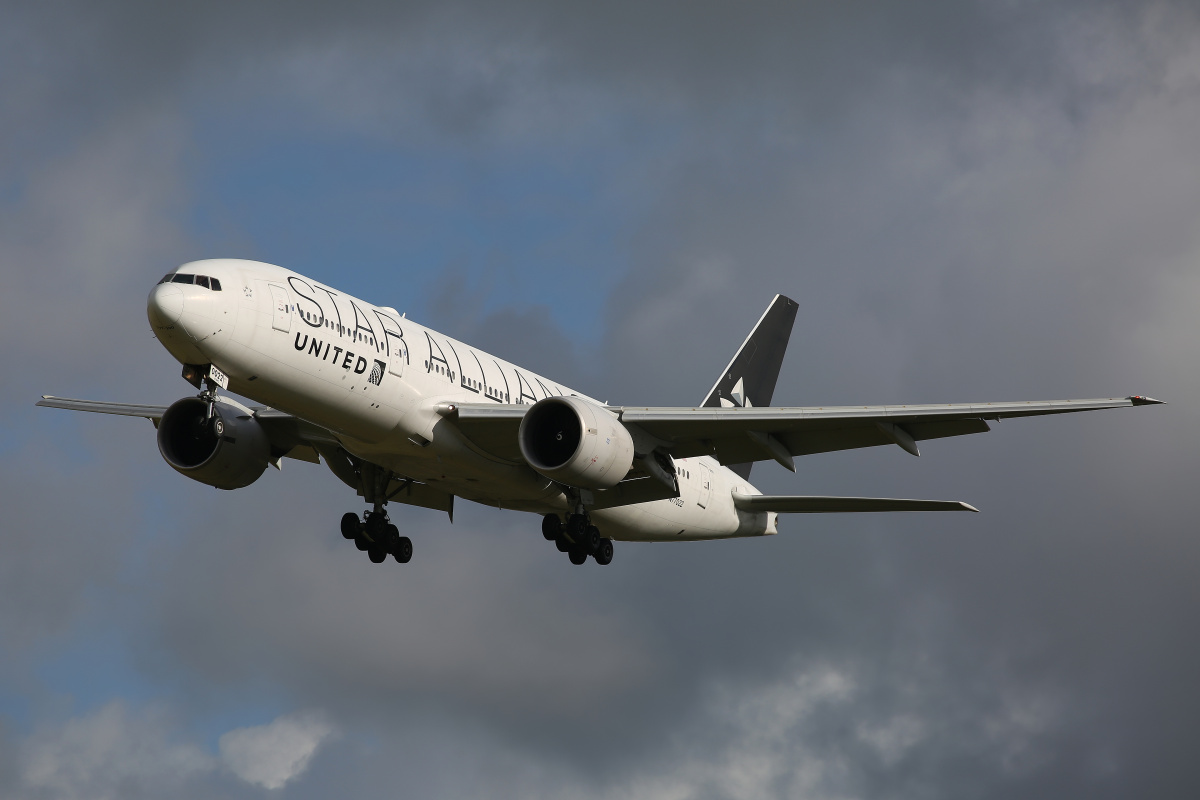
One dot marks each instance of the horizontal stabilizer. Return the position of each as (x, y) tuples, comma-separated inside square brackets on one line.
[(791, 504)]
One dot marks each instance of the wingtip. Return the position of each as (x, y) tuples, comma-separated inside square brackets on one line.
[(969, 507), (1142, 400)]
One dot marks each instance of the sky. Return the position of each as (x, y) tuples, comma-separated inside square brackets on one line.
[(969, 201)]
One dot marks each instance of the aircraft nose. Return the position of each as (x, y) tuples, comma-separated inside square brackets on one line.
[(165, 305)]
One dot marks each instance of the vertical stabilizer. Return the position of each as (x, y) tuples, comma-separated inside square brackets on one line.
[(750, 378)]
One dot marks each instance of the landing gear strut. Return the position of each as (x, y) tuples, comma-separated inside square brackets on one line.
[(578, 538), (374, 532)]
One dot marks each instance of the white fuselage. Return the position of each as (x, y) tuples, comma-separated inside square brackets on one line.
[(377, 379)]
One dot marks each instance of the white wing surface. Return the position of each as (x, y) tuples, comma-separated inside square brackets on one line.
[(736, 435)]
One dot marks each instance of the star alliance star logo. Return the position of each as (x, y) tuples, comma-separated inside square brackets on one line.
[(737, 397)]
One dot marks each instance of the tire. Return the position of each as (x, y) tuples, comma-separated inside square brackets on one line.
[(350, 525), (577, 555), (402, 552), (377, 555), (391, 535), (551, 527), (604, 552), (591, 539), (361, 542), (576, 525), (562, 544), (376, 526)]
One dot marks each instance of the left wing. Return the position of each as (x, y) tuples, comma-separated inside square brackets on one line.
[(290, 437), (152, 413)]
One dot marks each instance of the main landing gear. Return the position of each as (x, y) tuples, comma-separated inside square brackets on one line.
[(375, 534), (578, 538)]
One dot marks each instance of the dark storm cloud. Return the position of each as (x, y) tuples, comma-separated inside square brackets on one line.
[(970, 201)]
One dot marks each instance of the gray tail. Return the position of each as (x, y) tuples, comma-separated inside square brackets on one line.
[(750, 378)]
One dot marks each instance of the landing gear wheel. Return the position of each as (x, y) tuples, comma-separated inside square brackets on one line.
[(576, 524), (361, 542), (562, 544), (604, 552), (350, 525), (577, 555), (391, 535), (376, 526), (402, 551), (591, 539), (377, 555), (551, 527)]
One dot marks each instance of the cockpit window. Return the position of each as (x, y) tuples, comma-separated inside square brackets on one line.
[(197, 280)]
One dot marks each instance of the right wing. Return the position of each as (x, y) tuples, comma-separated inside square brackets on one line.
[(735, 435), (739, 435)]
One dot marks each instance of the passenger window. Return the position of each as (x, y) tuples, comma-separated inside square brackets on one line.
[(167, 278), (216, 284), (181, 278), (202, 280)]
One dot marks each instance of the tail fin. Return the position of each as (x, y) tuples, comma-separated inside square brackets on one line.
[(750, 378)]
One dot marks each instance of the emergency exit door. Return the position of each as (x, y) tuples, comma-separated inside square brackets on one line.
[(281, 312), (705, 486)]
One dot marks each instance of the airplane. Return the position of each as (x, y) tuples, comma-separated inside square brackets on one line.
[(404, 414)]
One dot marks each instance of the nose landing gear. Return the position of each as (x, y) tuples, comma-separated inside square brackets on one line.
[(578, 538)]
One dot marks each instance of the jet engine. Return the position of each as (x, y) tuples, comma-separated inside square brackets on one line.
[(228, 450), (576, 442)]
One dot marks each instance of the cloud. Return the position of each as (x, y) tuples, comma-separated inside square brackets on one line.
[(274, 754), (109, 753)]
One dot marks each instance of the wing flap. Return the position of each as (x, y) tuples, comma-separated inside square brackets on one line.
[(491, 428), (793, 504), (632, 491), (420, 494)]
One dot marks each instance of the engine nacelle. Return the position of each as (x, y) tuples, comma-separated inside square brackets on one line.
[(228, 451), (576, 442)]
